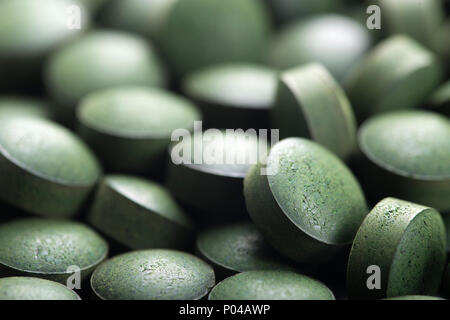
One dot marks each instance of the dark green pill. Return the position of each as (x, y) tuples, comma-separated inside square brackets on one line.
[(144, 17), (401, 244), (153, 275), (27, 288), (233, 95), (408, 156), (237, 248), (335, 41), (44, 168), (29, 31), (270, 285), (50, 249), (309, 205), (224, 31), (206, 172), (24, 107), (440, 99), (98, 60), (416, 297), (310, 103), (139, 214), (130, 128), (397, 74), (401, 17)]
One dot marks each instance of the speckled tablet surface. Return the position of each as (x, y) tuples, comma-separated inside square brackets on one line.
[(26, 288)]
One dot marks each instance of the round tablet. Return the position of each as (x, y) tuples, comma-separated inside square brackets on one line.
[(51, 249), (400, 248), (335, 41), (30, 31), (44, 168), (408, 156), (237, 248), (139, 214), (287, 10), (308, 205), (224, 31), (206, 171), (233, 95), (401, 16), (397, 74), (98, 60), (270, 285), (416, 297), (153, 275), (27, 288), (440, 99), (130, 128), (24, 107), (310, 103), (144, 17)]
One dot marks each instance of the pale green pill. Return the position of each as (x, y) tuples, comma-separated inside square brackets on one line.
[(130, 128), (270, 285), (99, 60), (310, 103), (27, 288), (44, 168), (335, 41), (153, 275), (233, 95), (139, 214), (50, 249), (399, 73)]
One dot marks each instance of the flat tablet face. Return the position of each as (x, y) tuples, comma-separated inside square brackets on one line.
[(153, 275), (137, 112), (316, 191), (410, 143), (47, 150), (234, 85)]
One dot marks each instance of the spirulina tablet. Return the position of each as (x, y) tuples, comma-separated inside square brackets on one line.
[(50, 249), (206, 171), (310, 103), (129, 128), (233, 95), (237, 247), (270, 285), (27, 288), (224, 31), (153, 275), (30, 31), (335, 41), (440, 99), (139, 214), (144, 17), (24, 107), (99, 60), (309, 205), (44, 168), (400, 249), (407, 155), (397, 74), (415, 297), (401, 16)]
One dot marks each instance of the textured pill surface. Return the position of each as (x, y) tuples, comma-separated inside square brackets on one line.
[(270, 285), (238, 247), (407, 242), (46, 248), (26, 288), (153, 275)]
